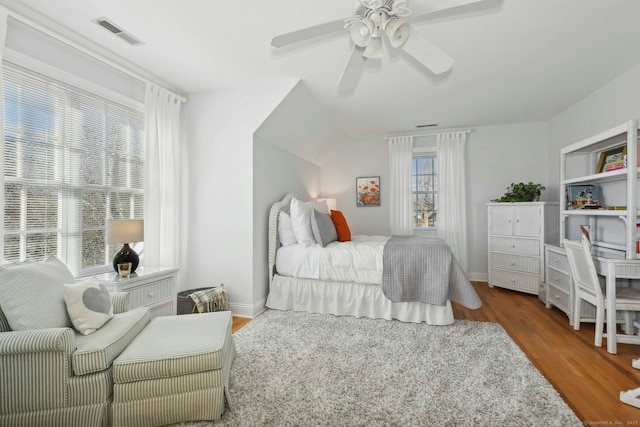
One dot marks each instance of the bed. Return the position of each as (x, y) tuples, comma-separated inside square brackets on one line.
[(359, 293)]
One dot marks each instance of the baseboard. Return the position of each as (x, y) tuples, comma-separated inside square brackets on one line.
[(247, 310), (241, 310), (479, 277)]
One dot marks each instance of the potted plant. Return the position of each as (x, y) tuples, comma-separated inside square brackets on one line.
[(521, 192)]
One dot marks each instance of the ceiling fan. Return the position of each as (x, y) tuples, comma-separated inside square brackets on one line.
[(372, 19)]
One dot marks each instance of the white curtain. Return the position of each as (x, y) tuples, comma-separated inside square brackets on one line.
[(400, 205), (452, 207), (162, 189), (4, 16)]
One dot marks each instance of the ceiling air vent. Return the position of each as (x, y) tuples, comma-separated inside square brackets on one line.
[(113, 28)]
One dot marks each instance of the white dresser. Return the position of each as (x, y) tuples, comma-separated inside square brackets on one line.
[(517, 233), (153, 287)]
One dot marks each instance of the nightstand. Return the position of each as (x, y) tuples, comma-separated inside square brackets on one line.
[(153, 287)]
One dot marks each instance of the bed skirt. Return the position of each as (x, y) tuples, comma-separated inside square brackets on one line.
[(351, 299)]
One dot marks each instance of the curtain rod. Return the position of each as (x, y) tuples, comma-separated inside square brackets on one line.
[(43, 29), (429, 134)]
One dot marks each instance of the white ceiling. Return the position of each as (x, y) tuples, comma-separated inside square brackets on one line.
[(515, 60)]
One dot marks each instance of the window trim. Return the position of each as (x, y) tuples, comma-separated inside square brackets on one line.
[(26, 61)]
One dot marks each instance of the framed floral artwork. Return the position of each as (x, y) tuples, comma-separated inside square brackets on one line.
[(368, 191)]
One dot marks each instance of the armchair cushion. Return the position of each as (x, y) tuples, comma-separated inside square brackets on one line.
[(31, 294), (97, 351), (88, 304)]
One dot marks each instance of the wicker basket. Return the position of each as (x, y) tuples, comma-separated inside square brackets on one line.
[(186, 305)]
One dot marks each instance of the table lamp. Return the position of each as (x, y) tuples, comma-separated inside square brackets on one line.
[(125, 231)]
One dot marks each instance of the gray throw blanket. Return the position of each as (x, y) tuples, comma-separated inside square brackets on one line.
[(417, 268)]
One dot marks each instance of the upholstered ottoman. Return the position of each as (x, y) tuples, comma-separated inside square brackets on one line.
[(176, 369)]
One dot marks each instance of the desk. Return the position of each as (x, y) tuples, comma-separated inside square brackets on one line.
[(613, 268)]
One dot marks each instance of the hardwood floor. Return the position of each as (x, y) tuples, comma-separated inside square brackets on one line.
[(239, 322), (587, 377)]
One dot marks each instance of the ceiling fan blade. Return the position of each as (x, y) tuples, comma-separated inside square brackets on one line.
[(427, 53), (432, 6), (308, 33), (353, 69)]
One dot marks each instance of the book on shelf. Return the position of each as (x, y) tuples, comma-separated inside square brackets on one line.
[(609, 167)]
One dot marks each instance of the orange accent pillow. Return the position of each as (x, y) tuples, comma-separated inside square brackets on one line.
[(344, 234)]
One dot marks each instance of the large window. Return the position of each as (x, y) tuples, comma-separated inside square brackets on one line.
[(71, 160), (424, 189)]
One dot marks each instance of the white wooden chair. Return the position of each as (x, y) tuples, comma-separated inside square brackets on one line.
[(587, 287)]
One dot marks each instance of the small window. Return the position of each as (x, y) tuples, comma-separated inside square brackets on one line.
[(425, 191)]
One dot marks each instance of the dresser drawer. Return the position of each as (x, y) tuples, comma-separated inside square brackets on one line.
[(515, 246), (165, 309), (558, 297), (512, 280), (559, 279), (557, 260), (152, 292), (514, 262)]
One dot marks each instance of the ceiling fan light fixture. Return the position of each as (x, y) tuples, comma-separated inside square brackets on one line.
[(361, 32), (374, 49), (398, 32)]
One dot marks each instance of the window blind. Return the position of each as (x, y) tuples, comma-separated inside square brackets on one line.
[(72, 160)]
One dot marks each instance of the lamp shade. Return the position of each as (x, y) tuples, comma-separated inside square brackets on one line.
[(125, 230), (397, 31), (332, 203), (361, 32)]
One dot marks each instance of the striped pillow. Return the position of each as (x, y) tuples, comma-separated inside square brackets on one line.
[(32, 296)]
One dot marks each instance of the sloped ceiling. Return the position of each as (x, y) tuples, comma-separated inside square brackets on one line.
[(515, 60), (301, 125)]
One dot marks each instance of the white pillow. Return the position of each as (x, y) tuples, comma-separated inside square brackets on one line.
[(31, 294), (88, 304), (301, 219), (285, 231)]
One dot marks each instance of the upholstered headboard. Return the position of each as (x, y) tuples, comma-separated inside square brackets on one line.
[(274, 239)]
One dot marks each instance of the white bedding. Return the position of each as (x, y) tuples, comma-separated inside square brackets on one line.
[(357, 261), (337, 297)]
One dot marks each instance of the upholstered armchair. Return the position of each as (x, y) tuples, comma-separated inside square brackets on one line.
[(57, 375)]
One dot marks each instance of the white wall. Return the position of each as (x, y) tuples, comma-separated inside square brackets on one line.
[(611, 105), (496, 157), (276, 172), (35, 44), (241, 161), (357, 158), (220, 243)]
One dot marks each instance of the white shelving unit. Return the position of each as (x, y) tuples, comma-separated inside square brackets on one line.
[(626, 133)]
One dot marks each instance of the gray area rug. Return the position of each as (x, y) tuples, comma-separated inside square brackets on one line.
[(301, 369)]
